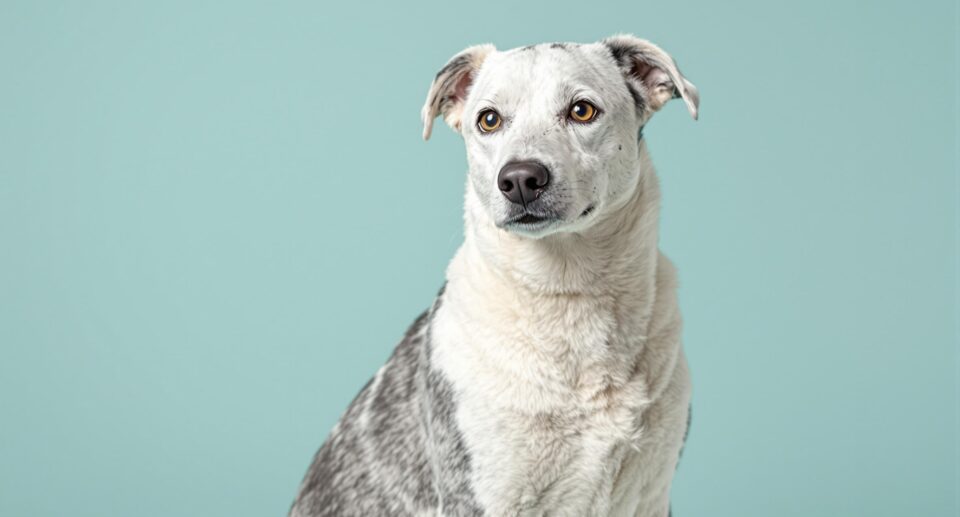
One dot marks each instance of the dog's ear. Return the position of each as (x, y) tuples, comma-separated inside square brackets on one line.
[(652, 75), (450, 87)]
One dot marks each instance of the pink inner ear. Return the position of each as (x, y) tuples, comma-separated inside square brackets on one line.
[(463, 84), (651, 76)]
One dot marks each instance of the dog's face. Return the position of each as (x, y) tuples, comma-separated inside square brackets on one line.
[(552, 130)]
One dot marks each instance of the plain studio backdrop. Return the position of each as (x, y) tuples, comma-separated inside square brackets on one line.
[(217, 220)]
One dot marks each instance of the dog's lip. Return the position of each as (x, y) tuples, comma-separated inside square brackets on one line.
[(529, 219)]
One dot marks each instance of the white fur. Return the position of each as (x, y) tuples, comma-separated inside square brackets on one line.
[(563, 344)]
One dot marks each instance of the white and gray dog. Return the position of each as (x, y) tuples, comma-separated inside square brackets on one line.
[(548, 378)]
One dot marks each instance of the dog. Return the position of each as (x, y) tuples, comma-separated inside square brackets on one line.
[(547, 378)]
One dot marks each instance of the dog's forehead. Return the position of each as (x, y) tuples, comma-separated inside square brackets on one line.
[(545, 67)]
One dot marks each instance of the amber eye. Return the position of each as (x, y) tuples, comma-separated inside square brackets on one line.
[(583, 111), (488, 121)]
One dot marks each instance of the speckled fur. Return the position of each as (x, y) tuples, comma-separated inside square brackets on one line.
[(548, 377)]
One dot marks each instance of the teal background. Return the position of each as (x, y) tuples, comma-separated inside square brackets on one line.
[(188, 301)]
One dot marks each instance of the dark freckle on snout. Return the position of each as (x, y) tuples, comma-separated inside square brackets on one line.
[(619, 147)]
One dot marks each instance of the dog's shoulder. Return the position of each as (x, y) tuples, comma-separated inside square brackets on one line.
[(397, 450), (374, 462)]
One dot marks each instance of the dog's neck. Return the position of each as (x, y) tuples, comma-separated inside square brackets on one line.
[(615, 256), (575, 307)]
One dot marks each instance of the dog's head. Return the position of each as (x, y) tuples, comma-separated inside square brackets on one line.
[(552, 131)]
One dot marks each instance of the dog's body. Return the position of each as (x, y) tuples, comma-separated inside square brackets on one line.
[(548, 378)]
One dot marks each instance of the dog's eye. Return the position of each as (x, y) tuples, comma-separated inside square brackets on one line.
[(583, 111), (488, 121)]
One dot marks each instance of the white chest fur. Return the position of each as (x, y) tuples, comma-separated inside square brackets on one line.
[(568, 404)]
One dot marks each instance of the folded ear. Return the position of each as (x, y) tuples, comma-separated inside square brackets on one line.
[(450, 87), (652, 74)]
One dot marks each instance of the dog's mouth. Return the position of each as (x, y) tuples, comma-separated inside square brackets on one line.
[(533, 221), (530, 219)]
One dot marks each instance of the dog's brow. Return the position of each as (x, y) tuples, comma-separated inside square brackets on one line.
[(578, 92), (488, 101)]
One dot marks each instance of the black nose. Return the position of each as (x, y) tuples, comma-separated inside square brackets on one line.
[(522, 182)]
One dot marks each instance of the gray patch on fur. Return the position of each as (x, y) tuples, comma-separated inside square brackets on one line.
[(637, 98), (454, 65), (623, 57), (397, 450)]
